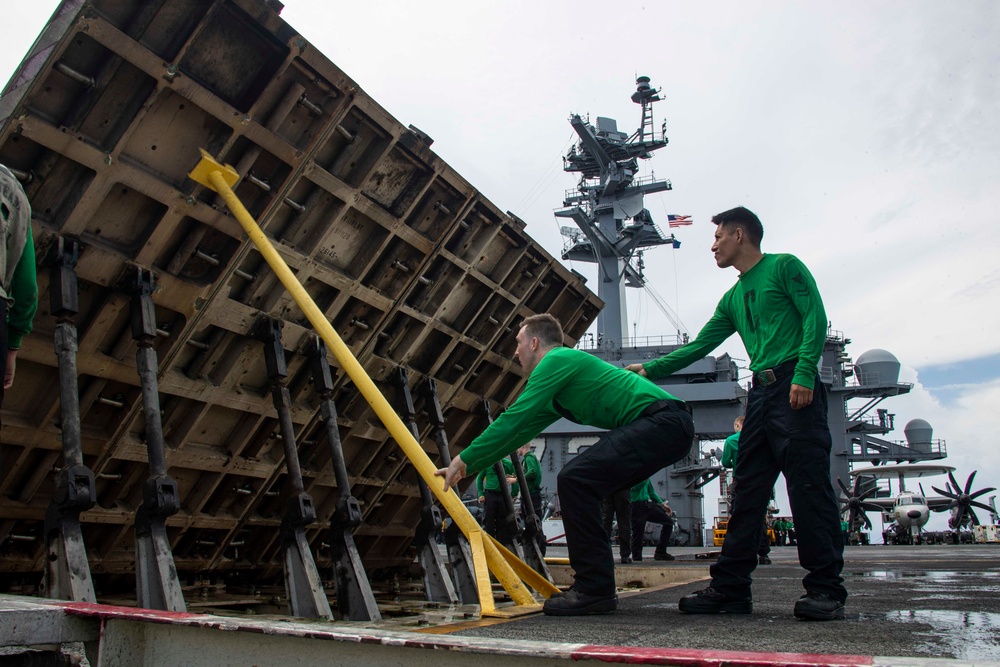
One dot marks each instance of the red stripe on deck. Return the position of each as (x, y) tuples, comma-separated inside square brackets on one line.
[(131, 613), (703, 658)]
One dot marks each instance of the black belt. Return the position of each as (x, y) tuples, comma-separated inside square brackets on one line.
[(769, 376), (665, 404)]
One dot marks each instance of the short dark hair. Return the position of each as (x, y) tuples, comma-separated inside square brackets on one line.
[(545, 328), (745, 219)]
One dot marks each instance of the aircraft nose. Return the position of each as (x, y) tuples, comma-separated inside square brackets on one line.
[(913, 514)]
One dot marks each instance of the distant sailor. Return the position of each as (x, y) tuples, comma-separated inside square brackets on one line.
[(777, 310), (491, 498), (648, 506), (729, 452), (648, 429), (533, 478)]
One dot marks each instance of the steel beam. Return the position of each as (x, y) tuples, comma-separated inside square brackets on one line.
[(157, 583), (511, 537), (303, 584), (532, 528), (438, 586), (355, 599), (67, 572), (459, 552)]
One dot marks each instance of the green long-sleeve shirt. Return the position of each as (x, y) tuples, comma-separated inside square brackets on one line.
[(587, 389), (24, 292), (18, 283), (644, 491), (487, 480), (778, 312), (729, 450), (532, 472)]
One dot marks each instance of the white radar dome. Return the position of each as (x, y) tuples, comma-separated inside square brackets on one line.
[(918, 432), (877, 367)]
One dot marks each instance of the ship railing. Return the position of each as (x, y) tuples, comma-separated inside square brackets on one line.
[(572, 242), (590, 342), (869, 378), (870, 420), (653, 341), (899, 450), (644, 180)]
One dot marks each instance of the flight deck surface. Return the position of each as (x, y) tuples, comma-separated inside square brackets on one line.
[(927, 606), (920, 601)]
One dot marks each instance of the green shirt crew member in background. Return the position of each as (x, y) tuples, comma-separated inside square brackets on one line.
[(487, 480), (729, 452), (494, 505), (776, 308), (532, 469), (18, 282), (648, 506), (732, 445), (533, 478), (647, 429)]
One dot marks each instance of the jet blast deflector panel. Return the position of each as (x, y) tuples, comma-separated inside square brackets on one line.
[(412, 265)]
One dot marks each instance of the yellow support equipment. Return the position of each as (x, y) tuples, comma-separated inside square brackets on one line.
[(487, 553)]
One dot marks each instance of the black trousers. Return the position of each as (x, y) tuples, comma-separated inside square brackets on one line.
[(622, 458), (644, 511), (495, 521), (776, 439), (617, 505), (765, 543)]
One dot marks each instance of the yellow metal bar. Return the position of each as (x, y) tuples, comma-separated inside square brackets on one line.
[(212, 174), (524, 571), (486, 603)]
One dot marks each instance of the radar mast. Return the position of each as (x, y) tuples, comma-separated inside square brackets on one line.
[(608, 207)]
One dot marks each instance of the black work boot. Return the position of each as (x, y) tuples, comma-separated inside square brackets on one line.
[(819, 607), (575, 603), (764, 560), (662, 555), (711, 601)]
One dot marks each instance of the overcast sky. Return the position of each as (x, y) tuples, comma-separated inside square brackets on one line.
[(865, 136)]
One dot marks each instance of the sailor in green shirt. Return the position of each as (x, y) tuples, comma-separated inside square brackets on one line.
[(533, 478), (532, 469), (494, 505), (648, 506), (18, 283), (729, 451), (777, 310), (732, 445), (647, 430)]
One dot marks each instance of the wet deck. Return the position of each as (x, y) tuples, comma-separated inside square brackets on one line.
[(926, 606), (924, 601)]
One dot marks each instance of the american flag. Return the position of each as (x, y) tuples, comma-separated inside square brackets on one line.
[(679, 220)]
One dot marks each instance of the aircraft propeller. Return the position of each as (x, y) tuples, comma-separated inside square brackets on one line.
[(855, 501), (963, 500)]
